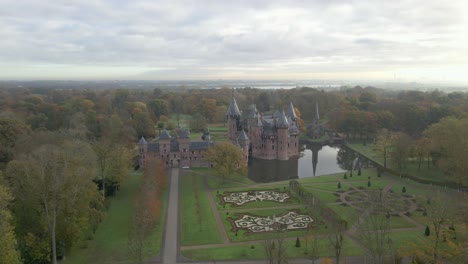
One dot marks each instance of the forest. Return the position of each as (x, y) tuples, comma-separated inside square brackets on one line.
[(63, 151)]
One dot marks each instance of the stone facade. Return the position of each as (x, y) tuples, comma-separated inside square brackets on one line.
[(178, 151), (270, 137)]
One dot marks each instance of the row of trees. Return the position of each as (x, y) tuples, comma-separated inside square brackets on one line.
[(53, 179), (444, 144)]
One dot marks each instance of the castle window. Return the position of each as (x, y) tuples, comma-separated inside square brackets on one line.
[(288, 145), (193, 152), (195, 158), (272, 146), (175, 155), (184, 150)]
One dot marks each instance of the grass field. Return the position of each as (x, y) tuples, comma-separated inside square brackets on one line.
[(109, 244), (256, 250), (197, 223)]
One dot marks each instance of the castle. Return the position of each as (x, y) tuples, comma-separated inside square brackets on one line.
[(270, 137), (259, 136)]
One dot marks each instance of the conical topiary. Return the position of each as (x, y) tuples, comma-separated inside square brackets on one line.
[(427, 232), (298, 242)]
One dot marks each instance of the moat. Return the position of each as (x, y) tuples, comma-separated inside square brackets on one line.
[(314, 160)]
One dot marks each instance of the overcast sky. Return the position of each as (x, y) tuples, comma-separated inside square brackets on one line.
[(332, 40)]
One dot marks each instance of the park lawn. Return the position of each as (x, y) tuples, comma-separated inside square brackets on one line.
[(346, 212), (401, 238), (197, 222), (327, 197), (109, 244), (256, 250), (230, 181), (367, 151)]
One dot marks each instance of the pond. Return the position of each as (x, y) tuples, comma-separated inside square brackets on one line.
[(314, 160)]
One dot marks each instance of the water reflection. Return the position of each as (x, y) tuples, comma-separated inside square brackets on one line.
[(315, 160)]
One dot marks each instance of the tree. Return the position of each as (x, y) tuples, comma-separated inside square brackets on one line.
[(335, 238), (374, 226), (400, 149), (198, 122), (227, 159), (113, 163), (147, 207), (448, 139), (275, 250), (312, 247), (440, 211), (58, 177), (10, 131), (383, 144), (8, 244)]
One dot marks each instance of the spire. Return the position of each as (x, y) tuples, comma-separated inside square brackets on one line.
[(233, 109), (282, 121), (291, 112), (142, 141), (242, 136), (317, 115)]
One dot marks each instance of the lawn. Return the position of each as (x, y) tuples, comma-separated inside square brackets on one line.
[(256, 250), (109, 244), (197, 222)]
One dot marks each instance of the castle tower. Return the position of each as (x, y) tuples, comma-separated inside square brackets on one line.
[(282, 126), (317, 115), (165, 146), (244, 142), (143, 149), (233, 120), (292, 114), (183, 138)]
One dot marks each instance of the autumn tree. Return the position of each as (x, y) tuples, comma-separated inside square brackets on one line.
[(448, 139), (147, 207), (57, 177), (113, 163), (227, 159), (10, 131), (400, 149), (383, 144), (8, 244)]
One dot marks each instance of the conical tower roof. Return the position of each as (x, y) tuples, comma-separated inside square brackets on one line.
[(291, 112), (242, 136), (233, 109), (317, 115), (142, 141), (282, 121)]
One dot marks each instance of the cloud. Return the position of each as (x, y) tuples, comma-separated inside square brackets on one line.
[(208, 38)]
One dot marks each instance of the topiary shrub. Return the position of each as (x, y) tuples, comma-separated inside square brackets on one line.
[(298, 242), (339, 185), (345, 176), (359, 172), (427, 232), (368, 184), (403, 190)]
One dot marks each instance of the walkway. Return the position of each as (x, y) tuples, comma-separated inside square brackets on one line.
[(171, 235)]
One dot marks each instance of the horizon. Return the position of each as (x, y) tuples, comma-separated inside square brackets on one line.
[(416, 41)]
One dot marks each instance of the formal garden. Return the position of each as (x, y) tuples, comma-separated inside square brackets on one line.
[(235, 217)]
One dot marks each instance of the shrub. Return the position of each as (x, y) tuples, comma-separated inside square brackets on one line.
[(359, 172), (427, 232), (339, 185), (345, 176), (403, 190), (298, 242), (368, 184)]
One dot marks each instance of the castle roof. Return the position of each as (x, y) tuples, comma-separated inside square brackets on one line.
[(182, 133), (164, 135), (253, 112), (277, 114), (282, 121), (291, 112), (233, 109), (242, 136), (142, 141)]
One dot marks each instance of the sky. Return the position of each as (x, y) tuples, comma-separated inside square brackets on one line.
[(417, 40)]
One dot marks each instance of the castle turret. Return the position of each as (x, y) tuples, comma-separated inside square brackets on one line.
[(282, 126), (143, 149), (233, 120), (244, 142)]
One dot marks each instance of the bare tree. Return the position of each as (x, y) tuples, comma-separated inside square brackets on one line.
[(275, 249), (374, 226), (336, 238)]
